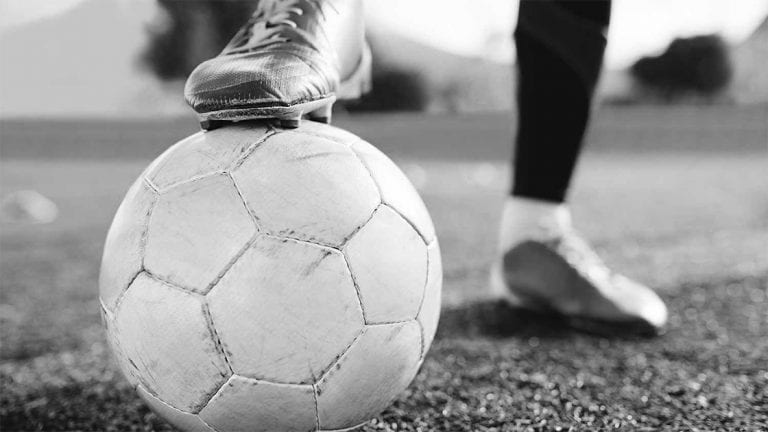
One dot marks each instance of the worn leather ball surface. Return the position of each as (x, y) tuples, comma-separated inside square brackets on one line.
[(256, 278)]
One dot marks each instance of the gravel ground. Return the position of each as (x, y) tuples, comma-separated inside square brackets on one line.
[(490, 369)]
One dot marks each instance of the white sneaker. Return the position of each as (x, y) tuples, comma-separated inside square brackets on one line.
[(553, 269)]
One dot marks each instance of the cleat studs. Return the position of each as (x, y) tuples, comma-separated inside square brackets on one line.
[(322, 114), (290, 123), (209, 125)]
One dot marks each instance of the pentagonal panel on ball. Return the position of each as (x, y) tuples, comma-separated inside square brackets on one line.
[(429, 314), (247, 405), (204, 153), (164, 334), (196, 229), (396, 190), (306, 187), (285, 310), (388, 259), (123, 249), (375, 370)]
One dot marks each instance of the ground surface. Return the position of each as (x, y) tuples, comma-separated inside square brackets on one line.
[(674, 197)]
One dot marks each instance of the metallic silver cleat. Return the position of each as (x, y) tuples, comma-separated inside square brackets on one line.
[(280, 65)]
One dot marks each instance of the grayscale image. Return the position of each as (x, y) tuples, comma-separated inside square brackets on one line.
[(383, 215)]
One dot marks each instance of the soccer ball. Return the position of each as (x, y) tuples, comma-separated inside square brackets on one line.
[(260, 279)]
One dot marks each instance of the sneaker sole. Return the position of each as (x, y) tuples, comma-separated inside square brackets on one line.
[(583, 324)]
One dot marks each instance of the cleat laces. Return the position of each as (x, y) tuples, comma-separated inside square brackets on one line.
[(266, 25)]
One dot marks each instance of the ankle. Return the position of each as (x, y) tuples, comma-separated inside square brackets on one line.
[(527, 218)]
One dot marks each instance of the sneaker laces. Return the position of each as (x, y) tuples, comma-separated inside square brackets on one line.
[(266, 24)]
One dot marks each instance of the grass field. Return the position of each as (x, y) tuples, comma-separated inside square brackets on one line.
[(675, 197)]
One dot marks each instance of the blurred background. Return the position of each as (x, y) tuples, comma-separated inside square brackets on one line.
[(121, 58), (671, 190)]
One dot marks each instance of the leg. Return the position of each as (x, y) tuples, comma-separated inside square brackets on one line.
[(560, 47), (542, 262)]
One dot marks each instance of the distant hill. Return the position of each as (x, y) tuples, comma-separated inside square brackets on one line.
[(456, 83), (81, 62)]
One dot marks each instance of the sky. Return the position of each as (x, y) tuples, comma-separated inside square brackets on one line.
[(638, 27), (19, 12), (482, 27)]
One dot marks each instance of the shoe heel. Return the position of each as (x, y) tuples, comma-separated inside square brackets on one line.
[(360, 81), (366, 82), (322, 114)]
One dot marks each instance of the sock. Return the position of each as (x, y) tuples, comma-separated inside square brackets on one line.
[(526, 218)]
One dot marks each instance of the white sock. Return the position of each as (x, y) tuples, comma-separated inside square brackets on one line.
[(526, 218)]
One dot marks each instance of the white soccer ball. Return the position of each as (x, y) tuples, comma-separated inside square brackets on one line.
[(259, 279)]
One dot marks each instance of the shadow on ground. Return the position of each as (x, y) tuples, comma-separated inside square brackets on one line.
[(495, 319)]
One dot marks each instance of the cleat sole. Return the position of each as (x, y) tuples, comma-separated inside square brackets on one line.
[(288, 116)]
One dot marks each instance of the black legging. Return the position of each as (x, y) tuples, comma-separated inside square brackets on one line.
[(560, 46)]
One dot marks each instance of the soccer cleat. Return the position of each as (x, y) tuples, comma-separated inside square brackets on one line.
[(280, 65), (561, 274)]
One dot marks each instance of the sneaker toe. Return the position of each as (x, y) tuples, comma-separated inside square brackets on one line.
[(636, 301)]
